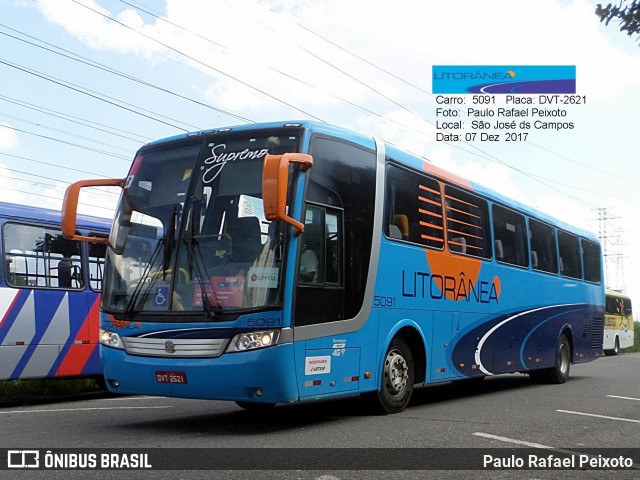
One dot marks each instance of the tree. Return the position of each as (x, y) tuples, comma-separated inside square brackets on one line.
[(627, 12)]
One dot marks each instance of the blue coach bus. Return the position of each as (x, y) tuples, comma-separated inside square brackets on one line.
[(49, 295), (283, 262)]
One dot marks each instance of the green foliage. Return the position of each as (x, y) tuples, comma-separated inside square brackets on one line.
[(36, 389), (628, 13), (636, 343)]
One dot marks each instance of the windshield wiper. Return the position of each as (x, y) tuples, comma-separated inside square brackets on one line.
[(196, 262), (143, 278), (168, 241)]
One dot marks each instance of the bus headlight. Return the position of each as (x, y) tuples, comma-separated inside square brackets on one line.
[(111, 339), (253, 340)]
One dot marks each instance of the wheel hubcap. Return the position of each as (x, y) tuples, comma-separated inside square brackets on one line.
[(564, 357), (396, 373)]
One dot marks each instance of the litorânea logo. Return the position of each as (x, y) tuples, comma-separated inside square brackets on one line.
[(457, 79)]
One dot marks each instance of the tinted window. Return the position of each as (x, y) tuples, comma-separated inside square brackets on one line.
[(414, 208), (591, 260), (510, 237), (321, 256), (618, 305), (570, 265), (543, 247), (467, 223), (343, 175)]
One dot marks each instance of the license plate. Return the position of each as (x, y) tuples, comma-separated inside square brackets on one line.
[(170, 377)]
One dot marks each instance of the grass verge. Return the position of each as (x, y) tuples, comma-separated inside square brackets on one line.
[(41, 389), (636, 343)]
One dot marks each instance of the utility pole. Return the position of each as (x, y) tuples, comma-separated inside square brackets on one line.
[(612, 241)]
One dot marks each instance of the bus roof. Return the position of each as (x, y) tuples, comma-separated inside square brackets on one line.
[(15, 211), (399, 155), (614, 293)]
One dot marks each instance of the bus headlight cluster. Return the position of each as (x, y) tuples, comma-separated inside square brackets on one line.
[(253, 340), (110, 339)]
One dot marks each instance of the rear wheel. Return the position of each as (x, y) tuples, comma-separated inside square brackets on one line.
[(615, 350), (559, 373), (397, 379)]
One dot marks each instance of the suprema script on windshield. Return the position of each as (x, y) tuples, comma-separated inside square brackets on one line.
[(219, 158)]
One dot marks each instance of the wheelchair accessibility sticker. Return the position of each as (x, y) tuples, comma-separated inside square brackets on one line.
[(161, 296)]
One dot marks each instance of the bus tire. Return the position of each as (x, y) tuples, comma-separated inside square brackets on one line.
[(396, 379), (559, 373), (615, 350)]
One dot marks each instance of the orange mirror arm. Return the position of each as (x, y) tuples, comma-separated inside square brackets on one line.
[(275, 182), (70, 207)]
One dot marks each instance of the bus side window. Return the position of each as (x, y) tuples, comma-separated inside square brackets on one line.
[(41, 257), (97, 253), (570, 265), (413, 205), (544, 256), (591, 261), (468, 229), (510, 232)]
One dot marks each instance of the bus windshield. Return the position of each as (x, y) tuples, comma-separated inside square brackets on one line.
[(190, 234)]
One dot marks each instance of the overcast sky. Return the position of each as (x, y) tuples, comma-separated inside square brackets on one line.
[(152, 68)]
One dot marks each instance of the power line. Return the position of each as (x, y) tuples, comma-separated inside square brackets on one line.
[(78, 120), (279, 72), (41, 195), (582, 164), (492, 158), (64, 132), (487, 155), (95, 190), (96, 150), (78, 58), (52, 164), (359, 57), (345, 73), (93, 94), (200, 62)]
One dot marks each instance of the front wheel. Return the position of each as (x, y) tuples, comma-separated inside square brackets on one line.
[(397, 379), (559, 373)]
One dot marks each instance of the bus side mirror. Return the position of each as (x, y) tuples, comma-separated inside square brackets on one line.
[(70, 207), (275, 181)]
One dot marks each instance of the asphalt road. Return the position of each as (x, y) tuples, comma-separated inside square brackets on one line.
[(599, 408)]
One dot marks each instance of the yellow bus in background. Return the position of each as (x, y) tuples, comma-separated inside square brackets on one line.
[(618, 323)]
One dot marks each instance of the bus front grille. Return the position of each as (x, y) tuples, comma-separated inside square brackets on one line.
[(176, 348)]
